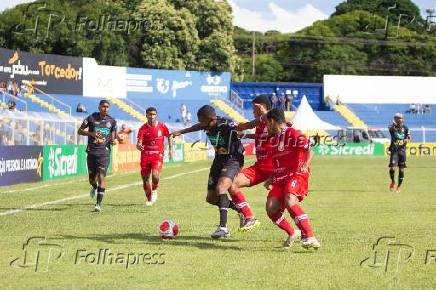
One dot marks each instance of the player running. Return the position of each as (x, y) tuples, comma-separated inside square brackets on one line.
[(229, 158), (400, 136), (101, 134), (262, 169), (151, 144), (288, 185)]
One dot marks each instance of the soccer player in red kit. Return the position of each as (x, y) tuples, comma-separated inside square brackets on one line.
[(289, 183), (262, 169), (151, 144)]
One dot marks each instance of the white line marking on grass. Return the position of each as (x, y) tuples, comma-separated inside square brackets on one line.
[(59, 183), (39, 205)]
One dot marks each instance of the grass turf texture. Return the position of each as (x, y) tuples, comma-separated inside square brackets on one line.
[(349, 206)]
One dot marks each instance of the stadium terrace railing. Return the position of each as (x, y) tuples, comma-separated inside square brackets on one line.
[(14, 98), (54, 100)]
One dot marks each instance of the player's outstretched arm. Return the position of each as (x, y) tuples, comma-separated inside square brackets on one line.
[(247, 125), (194, 128)]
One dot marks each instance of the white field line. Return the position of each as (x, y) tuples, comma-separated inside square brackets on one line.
[(39, 205), (58, 184)]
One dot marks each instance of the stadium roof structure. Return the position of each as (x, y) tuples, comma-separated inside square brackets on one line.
[(306, 119)]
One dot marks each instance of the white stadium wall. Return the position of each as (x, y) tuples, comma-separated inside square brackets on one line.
[(380, 89), (103, 81)]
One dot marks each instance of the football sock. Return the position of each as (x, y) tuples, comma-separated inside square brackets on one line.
[(233, 206), (400, 177), (392, 175), (100, 194), (147, 190), (278, 219), (242, 204), (301, 220), (223, 207)]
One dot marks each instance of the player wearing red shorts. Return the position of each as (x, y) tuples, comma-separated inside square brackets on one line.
[(291, 156), (151, 144), (262, 169)]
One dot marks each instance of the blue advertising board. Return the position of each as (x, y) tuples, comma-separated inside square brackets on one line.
[(173, 84), (20, 164)]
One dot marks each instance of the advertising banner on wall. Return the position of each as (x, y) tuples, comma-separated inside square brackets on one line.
[(20, 164), (54, 74), (102, 80), (373, 149), (62, 161), (417, 149), (172, 84), (126, 157)]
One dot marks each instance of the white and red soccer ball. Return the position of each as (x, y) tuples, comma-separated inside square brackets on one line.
[(168, 229)]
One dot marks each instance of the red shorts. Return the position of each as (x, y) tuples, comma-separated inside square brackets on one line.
[(297, 185), (150, 164), (256, 174)]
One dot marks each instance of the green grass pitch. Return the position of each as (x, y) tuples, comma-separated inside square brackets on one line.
[(349, 206)]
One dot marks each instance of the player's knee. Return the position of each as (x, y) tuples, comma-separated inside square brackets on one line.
[(155, 178), (291, 200)]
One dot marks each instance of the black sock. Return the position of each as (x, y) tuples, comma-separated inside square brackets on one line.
[(233, 206), (400, 177), (223, 204), (100, 194), (392, 174)]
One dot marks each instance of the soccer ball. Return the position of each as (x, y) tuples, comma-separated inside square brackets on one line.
[(168, 229)]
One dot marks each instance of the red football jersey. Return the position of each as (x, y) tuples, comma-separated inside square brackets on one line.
[(153, 138), (289, 153), (263, 150)]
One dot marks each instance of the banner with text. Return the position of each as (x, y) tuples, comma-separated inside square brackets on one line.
[(19, 164), (62, 161), (417, 149), (54, 74), (173, 84), (373, 149)]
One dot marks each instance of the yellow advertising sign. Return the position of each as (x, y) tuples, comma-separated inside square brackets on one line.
[(417, 149)]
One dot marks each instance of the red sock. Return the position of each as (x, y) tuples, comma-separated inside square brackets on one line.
[(301, 220), (147, 190), (154, 186), (242, 204), (281, 222)]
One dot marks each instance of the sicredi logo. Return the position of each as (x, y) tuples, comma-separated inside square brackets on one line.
[(60, 164)]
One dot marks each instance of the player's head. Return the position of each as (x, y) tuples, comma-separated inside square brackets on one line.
[(103, 107), (207, 116), (398, 119), (151, 114), (275, 119), (261, 105)]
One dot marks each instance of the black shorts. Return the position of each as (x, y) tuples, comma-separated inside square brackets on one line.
[(223, 168), (97, 164), (398, 158)]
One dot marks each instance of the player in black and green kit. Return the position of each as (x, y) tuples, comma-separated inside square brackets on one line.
[(229, 158), (400, 136), (101, 134)]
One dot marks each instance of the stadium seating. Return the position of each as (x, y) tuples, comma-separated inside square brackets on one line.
[(348, 115), (380, 116), (232, 113), (313, 92)]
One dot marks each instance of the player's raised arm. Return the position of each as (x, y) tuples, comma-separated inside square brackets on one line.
[(194, 128)]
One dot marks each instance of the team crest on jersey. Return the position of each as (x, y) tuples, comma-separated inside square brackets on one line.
[(159, 133), (108, 124)]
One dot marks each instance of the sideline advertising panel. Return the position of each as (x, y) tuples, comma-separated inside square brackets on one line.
[(371, 149), (62, 161), (19, 164)]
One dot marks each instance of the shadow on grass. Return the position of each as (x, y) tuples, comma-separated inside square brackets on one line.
[(200, 242)]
